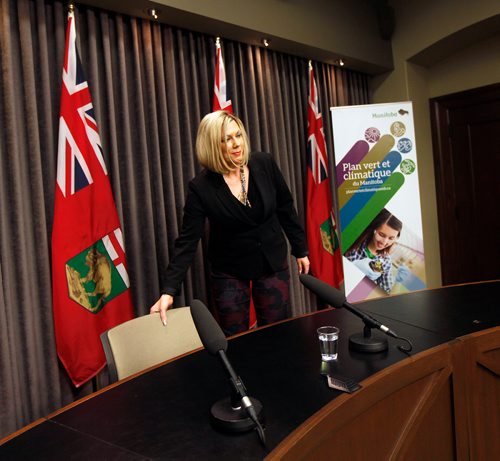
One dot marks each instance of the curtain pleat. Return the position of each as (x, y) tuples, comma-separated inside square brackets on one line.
[(151, 84)]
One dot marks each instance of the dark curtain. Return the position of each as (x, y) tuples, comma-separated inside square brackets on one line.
[(151, 84)]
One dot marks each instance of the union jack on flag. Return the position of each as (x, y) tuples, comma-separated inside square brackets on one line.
[(317, 156), (79, 141), (220, 101)]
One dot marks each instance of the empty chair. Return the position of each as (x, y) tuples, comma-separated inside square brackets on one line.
[(143, 342)]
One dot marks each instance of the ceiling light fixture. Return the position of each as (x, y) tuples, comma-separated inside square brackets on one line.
[(266, 42), (153, 12), (341, 62)]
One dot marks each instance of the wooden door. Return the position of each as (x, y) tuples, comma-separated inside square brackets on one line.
[(466, 145)]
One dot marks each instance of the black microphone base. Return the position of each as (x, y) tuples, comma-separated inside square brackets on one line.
[(228, 419), (359, 342)]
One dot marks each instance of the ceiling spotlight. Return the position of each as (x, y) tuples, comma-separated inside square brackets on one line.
[(341, 62), (266, 42), (153, 13)]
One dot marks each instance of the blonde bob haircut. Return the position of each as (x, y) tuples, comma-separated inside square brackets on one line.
[(211, 135)]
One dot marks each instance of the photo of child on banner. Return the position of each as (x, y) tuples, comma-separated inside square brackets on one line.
[(383, 252)]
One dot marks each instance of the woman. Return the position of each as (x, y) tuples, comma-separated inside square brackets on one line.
[(248, 206), (371, 253)]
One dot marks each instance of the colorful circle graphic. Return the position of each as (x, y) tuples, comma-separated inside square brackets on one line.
[(405, 145), (407, 166), (372, 134), (398, 129)]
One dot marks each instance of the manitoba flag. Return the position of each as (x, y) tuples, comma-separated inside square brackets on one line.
[(322, 239), (90, 283)]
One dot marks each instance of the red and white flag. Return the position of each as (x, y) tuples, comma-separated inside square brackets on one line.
[(322, 238), (90, 283), (220, 101)]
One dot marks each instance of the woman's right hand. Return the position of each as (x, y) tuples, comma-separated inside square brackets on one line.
[(162, 306)]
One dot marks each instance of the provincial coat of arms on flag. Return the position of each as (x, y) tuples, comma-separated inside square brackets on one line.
[(329, 238), (95, 276)]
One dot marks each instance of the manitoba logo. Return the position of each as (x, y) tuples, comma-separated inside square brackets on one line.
[(329, 237), (98, 274)]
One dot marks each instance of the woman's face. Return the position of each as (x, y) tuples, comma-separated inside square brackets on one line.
[(384, 236), (232, 143)]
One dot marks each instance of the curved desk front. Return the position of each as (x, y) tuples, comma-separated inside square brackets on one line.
[(441, 402)]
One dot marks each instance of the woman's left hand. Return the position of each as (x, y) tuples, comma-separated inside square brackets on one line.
[(303, 265)]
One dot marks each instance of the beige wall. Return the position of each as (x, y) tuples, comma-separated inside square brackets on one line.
[(335, 26), (420, 25), (475, 66)]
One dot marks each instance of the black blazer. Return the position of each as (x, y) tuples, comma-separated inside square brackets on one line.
[(235, 239)]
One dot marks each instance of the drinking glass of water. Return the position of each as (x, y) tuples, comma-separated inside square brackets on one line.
[(328, 342)]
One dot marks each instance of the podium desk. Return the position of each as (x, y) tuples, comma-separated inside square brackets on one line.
[(431, 401)]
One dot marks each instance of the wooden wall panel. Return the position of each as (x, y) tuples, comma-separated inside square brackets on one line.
[(483, 394)]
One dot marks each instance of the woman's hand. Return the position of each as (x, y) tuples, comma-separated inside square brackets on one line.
[(303, 264), (161, 306)]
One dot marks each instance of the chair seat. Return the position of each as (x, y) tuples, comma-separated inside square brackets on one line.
[(143, 342)]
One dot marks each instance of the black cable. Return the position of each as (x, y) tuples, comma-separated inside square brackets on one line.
[(253, 416), (260, 431), (405, 349)]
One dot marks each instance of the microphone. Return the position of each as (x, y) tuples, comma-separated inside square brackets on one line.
[(240, 412), (334, 297), (211, 335)]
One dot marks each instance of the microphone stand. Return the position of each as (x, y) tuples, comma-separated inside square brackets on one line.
[(365, 342), (237, 413)]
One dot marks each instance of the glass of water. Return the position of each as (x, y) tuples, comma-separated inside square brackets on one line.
[(328, 342)]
